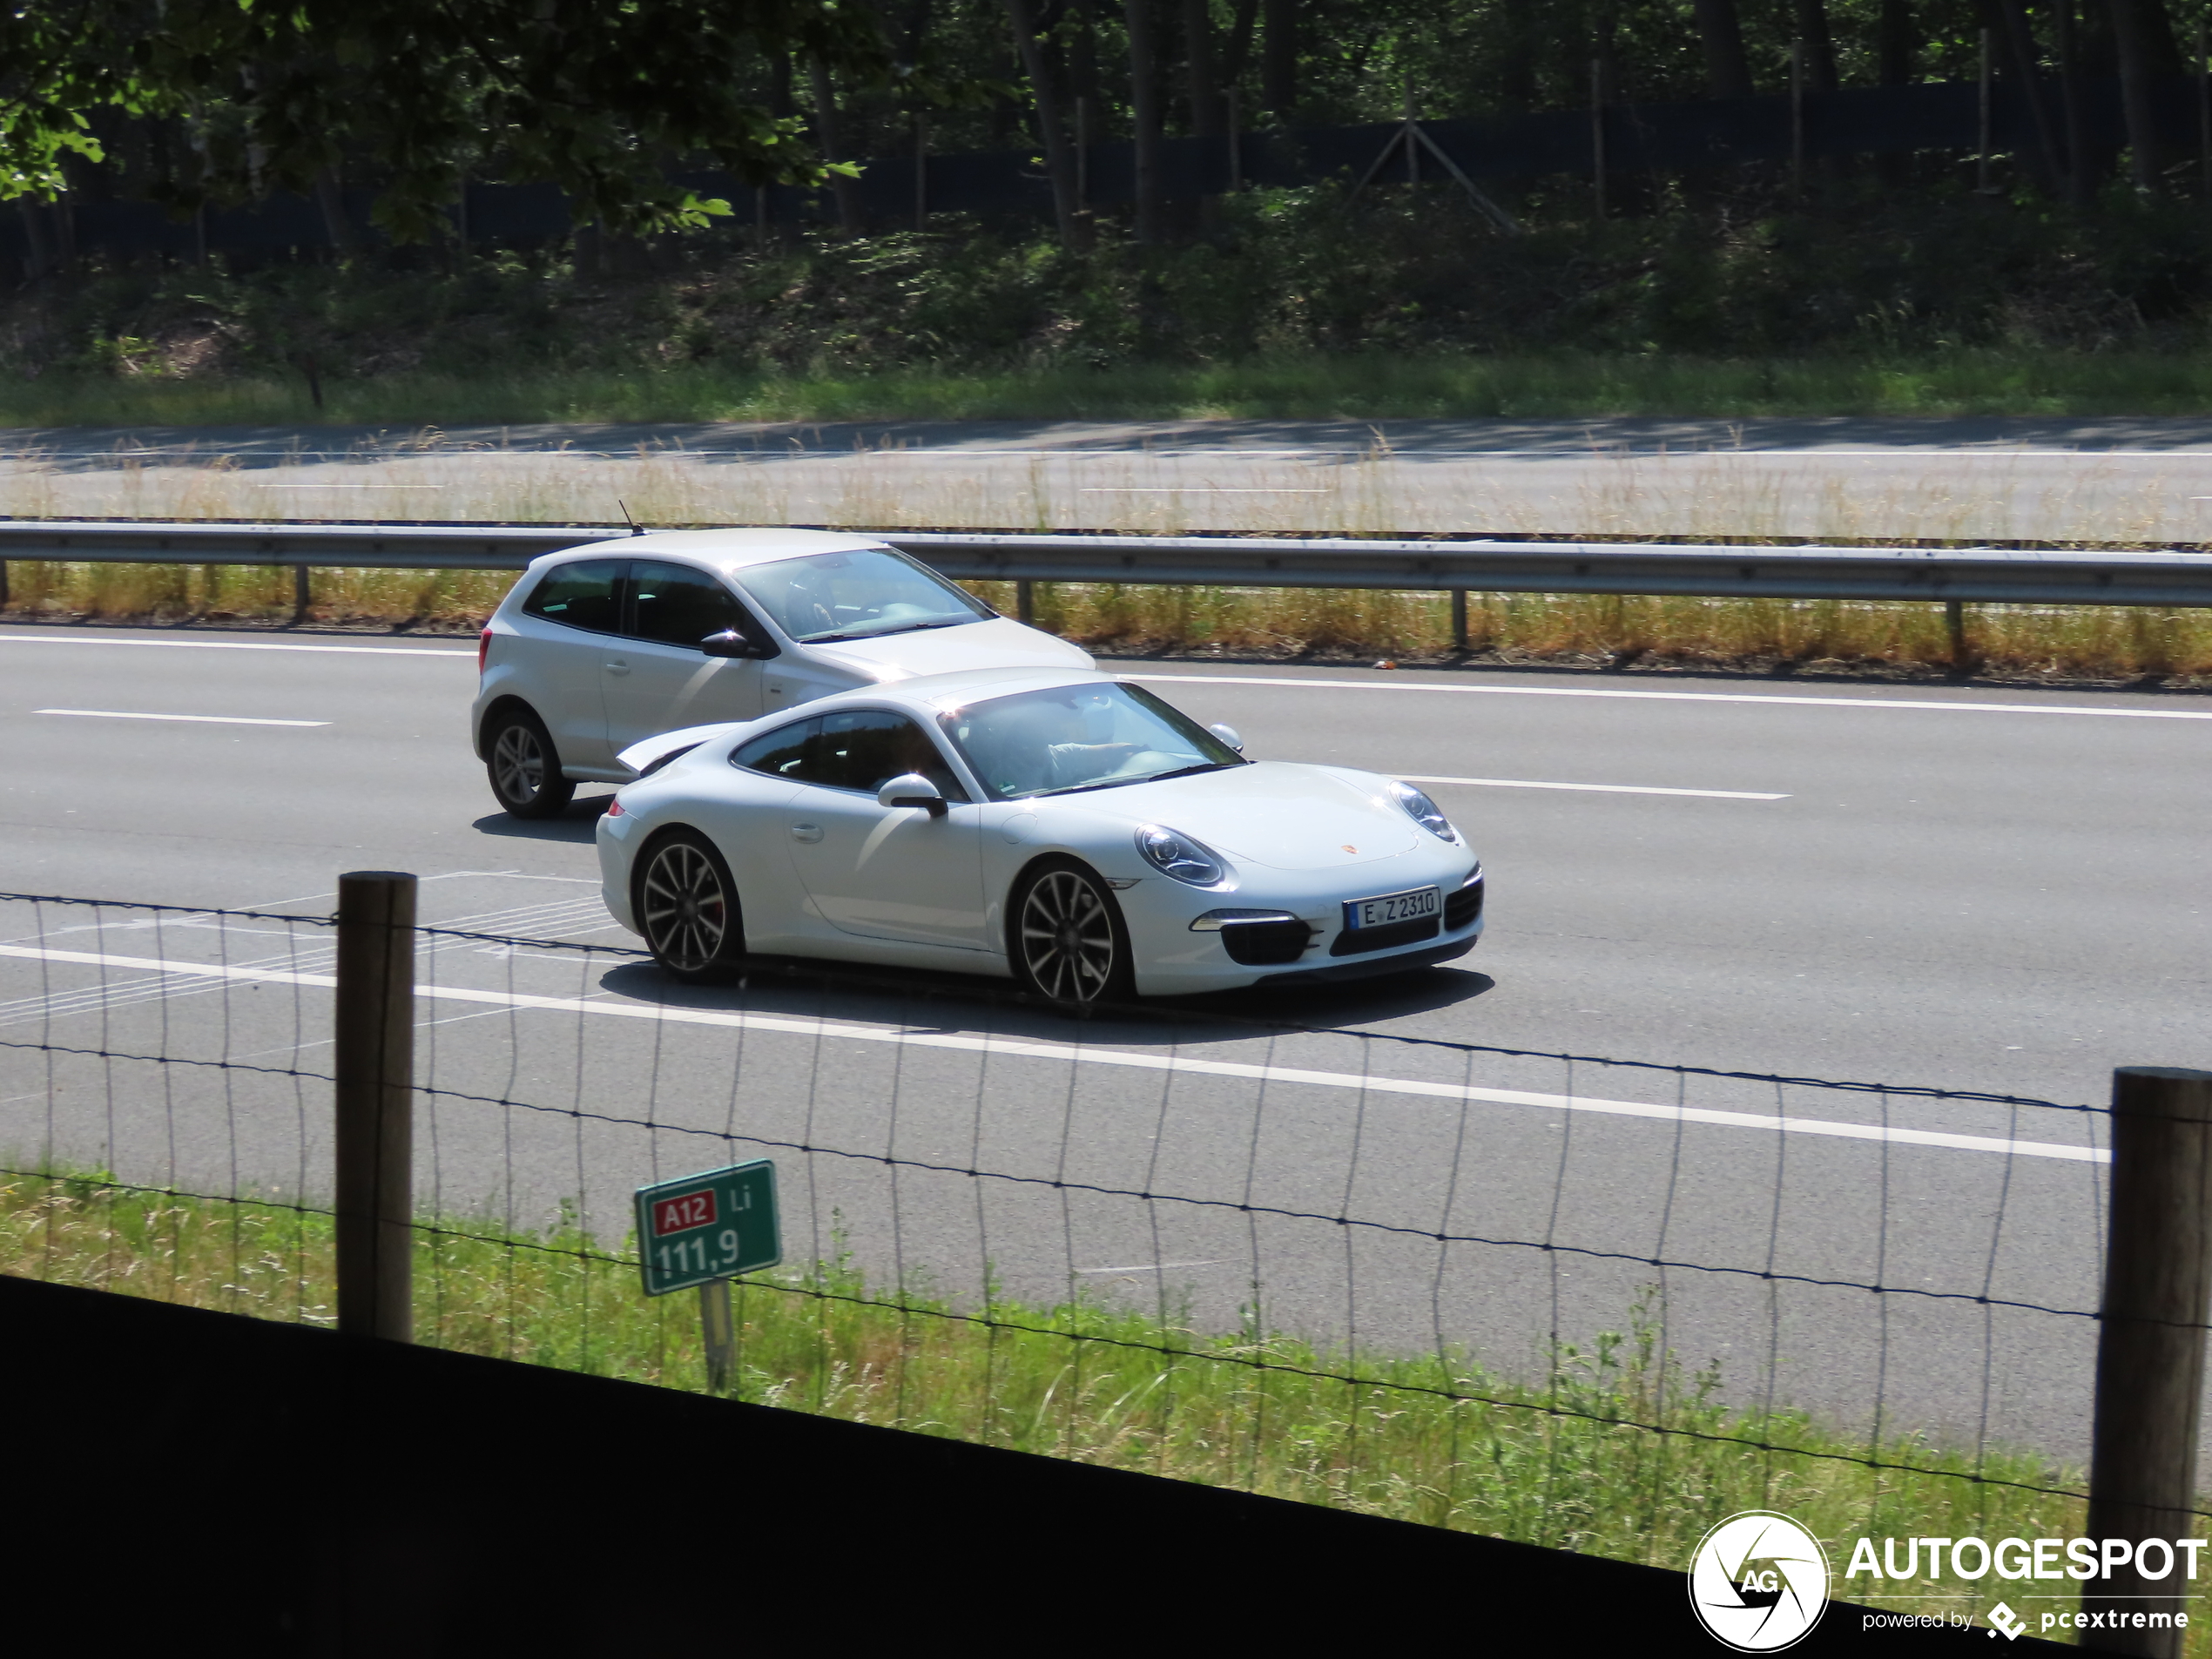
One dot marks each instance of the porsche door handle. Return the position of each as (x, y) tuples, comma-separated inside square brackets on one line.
[(807, 833), (617, 668)]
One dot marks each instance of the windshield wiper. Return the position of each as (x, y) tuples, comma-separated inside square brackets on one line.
[(879, 633), (1203, 765), (1148, 777)]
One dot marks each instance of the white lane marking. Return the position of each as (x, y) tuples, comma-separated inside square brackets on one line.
[(350, 486), (1190, 489), (196, 719), (463, 655), (1142, 1267), (1675, 696), (1604, 789), (1017, 1048)]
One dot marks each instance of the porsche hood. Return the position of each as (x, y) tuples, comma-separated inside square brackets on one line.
[(1276, 813)]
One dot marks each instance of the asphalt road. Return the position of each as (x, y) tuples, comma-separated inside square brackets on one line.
[(2086, 479), (1965, 888)]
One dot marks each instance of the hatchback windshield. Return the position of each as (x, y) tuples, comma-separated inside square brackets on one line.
[(856, 595), (1080, 737)]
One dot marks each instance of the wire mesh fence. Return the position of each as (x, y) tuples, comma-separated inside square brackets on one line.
[(1585, 1301)]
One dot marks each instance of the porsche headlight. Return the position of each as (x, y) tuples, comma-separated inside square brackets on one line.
[(1425, 812), (1177, 855)]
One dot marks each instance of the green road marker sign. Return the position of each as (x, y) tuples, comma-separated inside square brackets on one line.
[(708, 1226)]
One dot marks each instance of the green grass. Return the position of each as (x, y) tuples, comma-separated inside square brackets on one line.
[(1621, 1451), (1360, 387)]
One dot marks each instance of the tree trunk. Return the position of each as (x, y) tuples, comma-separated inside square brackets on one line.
[(1820, 45), (2131, 37), (1207, 117), (1718, 31), (330, 197), (39, 258), (2010, 24), (846, 191), (1894, 42), (1278, 57), (2063, 49), (1059, 154), (1144, 109)]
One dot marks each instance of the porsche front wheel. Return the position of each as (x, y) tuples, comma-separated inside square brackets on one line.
[(1069, 945)]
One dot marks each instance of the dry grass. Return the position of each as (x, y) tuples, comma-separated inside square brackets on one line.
[(2021, 641), (1373, 493), (1438, 1438)]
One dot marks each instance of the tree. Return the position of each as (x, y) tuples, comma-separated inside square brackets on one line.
[(1727, 72), (594, 95)]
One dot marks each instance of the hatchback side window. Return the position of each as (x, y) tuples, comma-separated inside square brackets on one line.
[(781, 753), (678, 605), (865, 749), (587, 594)]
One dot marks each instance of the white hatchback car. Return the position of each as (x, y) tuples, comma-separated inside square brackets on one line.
[(1070, 830), (600, 646)]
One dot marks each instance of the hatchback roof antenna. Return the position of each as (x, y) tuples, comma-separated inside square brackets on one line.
[(636, 528)]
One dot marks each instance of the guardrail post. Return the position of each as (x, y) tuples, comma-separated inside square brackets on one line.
[(1954, 624), (1459, 619), (302, 593), (1025, 603), (375, 1130), (2150, 1347)]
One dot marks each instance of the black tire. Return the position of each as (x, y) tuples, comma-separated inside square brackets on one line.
[(1066, 938), (523, 766), (687, 907)]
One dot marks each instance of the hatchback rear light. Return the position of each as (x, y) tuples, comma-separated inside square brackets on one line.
[(483, 650)]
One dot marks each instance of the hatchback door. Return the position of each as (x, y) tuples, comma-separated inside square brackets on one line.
[(656, 678), (885, 872)]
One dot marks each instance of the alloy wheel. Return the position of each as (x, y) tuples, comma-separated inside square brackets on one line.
[(518, 765), (683, 908), (1068, 938)]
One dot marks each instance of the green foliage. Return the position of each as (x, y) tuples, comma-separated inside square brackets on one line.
[(588, 96), (1614, 1446), (1407, 305)]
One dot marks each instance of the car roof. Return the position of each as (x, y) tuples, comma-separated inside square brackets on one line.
[(725, 550)]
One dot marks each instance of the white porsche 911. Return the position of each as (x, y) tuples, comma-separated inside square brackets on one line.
[(1061, 828)]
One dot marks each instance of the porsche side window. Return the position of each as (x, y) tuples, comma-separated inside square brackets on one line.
[(678, 605), (865, 749), (587, 595), (781, 753)]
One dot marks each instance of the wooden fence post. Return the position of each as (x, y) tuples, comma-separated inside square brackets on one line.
[(2150, 1347), (375, 1142)]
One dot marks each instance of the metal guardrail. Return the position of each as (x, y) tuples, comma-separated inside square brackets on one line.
[(1969, 575)]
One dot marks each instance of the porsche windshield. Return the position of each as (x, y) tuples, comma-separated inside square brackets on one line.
[(1080, 737), (856, 595)]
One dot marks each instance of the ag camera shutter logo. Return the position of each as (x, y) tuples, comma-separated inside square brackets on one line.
[(1759, 1582)]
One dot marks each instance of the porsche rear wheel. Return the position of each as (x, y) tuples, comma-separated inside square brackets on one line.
[(1069, 945), (687, 908)]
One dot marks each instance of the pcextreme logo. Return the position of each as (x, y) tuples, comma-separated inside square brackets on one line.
[(1759, 1582)]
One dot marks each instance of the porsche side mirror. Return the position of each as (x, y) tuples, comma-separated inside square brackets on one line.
[(1228, 735), (730, 643), (912, 789)]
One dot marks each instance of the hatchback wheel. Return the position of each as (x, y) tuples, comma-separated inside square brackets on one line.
[(687, 907), (1069, 945), (524, 769)]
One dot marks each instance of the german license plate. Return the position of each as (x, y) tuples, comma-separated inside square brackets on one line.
[(1419, 905)]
